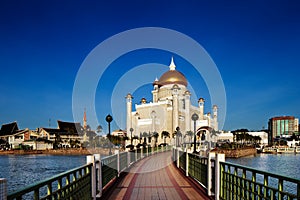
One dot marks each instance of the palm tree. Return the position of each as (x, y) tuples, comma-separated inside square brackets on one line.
[(145, 135), (164, 135), (190, 134), (178, 134), (99, 129), (155, 135)]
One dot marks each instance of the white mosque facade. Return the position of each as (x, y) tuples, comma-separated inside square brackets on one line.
[(170, 108)]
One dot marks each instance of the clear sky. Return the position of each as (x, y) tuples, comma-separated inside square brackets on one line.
[(254, 44)]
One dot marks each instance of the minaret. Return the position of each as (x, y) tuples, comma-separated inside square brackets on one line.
[(187, 117), (84, 119), (155, 91), (136, 128), (208, 119), (215, 117), (175, 89), (201, 107), (128, 112)]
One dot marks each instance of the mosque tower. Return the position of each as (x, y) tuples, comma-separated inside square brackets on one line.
[(215, 117), (128, 112), (201, 108)]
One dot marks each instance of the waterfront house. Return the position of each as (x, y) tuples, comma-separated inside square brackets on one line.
[(38, 144), (68, 134), (14, 137)]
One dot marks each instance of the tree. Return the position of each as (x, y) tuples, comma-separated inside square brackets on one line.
[(88, 127), (57, 140), (164, 135), (99, 129), (190, 134), (155, 135), (145, 135)]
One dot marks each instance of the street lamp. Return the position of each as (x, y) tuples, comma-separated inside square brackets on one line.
[(195, 117), (177, 136), (109, 119), (131, 130)]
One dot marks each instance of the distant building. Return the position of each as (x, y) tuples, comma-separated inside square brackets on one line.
[(119, 132), (66, 134), (225, 137), (170, 108), (262, 134), (283, 125), (12, 136)]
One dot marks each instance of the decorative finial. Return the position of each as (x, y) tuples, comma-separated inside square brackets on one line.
[(172, 64)]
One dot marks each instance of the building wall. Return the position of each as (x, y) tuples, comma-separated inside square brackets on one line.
[(284, 125)]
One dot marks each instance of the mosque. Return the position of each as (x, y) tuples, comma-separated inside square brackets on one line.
[(169, 109)]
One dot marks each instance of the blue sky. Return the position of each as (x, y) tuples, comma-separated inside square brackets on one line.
[(255, 45)]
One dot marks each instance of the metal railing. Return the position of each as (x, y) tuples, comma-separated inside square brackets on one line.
[(240, 182), (198, 168), (230, 181), (202, 169), (85, 182), (109, 169), (74, 183)]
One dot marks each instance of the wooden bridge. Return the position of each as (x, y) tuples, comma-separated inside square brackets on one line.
[(155, 177), (160, 173)]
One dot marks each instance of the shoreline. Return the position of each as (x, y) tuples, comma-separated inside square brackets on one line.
[(236, 153), (75, 152)]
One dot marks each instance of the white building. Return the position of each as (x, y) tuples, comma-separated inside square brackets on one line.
[(263, 135), (170, 108)]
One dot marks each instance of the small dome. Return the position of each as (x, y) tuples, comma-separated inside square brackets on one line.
[(143, 100), (172, 77)]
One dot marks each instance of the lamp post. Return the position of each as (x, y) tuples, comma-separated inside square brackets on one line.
[(109, 119), (131, 130), (195, 117), (177, 136)]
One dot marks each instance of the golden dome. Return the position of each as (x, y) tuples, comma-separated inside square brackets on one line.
[(172, 77)]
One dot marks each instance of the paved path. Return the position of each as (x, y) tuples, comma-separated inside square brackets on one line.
[(155, 177)]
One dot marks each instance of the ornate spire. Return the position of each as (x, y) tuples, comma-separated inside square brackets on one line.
[(84, 119), (172, 65)]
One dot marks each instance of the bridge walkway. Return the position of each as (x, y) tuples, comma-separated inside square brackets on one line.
[(155, 177)]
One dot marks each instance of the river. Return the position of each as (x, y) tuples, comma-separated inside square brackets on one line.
[(22, 170), (283, 164)]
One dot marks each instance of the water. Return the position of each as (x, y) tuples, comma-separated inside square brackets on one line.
[(22, 170), (282, 164)]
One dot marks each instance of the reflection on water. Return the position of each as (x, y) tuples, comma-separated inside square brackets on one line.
[(22, 170)]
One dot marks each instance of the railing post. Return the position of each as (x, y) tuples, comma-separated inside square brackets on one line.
[(3, 189), (99, 173), (118, 161), (209, 173), (128, 158), (91, 159), (218, 158), (147, 149), (186, 162), (177, 159), (142, 150)]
